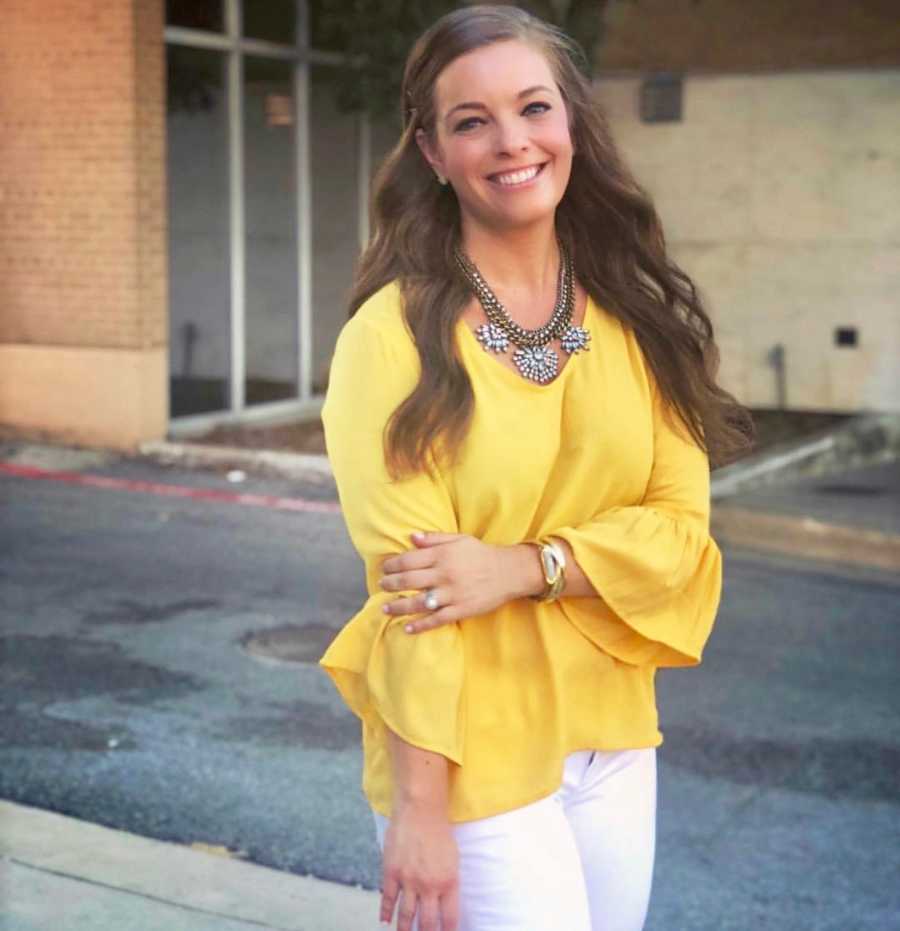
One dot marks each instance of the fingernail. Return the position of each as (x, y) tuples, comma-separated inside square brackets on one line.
[(386, 609), (409, 628), (418, 535)]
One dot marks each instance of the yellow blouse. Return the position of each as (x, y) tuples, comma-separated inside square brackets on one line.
[(590, 458)]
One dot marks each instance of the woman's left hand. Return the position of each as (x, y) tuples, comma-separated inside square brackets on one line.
[(469, 577)]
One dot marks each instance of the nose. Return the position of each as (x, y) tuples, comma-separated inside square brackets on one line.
[(511, 137)]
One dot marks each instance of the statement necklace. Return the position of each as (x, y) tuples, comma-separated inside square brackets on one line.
[(534, 358)]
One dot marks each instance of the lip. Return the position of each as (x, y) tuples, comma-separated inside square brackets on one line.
[(524, 184)]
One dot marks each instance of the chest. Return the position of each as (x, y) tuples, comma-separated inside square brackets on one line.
[(557, 452)]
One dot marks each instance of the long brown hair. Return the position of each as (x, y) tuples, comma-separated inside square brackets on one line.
[(607, 220)]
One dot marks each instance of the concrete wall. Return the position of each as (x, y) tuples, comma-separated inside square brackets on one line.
[(778, 195), (83, 321)]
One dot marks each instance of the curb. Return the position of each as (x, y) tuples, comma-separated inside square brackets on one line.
[(159, 874), (866, 440), (806, 537), (308, 467), (869, 439)]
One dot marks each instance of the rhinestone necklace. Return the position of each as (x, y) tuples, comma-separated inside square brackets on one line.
[(534, 358)]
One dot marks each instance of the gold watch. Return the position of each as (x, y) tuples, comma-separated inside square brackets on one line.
[(553, 563)]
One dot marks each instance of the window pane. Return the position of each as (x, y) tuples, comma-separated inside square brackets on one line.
[(199, 263), (271, 327), (273, 20), (334, 154), (195, 14)]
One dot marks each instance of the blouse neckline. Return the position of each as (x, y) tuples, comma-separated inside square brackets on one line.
[(528, 383)]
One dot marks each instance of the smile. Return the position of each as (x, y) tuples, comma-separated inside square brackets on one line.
[(519, 177)]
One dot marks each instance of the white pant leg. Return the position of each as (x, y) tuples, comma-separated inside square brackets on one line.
[(613, 819), (520, 870)]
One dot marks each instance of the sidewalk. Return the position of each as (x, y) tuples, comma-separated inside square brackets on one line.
[(61, 874)]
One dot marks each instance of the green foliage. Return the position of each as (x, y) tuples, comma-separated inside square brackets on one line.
[(378, 34), (582, 20)]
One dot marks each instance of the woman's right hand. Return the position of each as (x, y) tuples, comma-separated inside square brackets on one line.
[(421, 868)]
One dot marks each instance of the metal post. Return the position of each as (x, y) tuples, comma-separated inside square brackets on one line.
[(304, 211), (236, 192), (776, 359), (364, 175)]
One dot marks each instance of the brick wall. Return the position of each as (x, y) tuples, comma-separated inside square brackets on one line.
[(83, 254), (82, 243), (150, 145)]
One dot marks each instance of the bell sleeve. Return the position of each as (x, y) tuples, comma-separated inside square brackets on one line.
[(655, 566), (411, 684)]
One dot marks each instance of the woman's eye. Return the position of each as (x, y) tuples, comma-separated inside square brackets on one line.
[(468, 124)]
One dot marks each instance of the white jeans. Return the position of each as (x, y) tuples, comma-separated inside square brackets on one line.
[(580, 859)]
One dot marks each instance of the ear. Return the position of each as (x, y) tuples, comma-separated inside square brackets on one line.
[(430, 153)]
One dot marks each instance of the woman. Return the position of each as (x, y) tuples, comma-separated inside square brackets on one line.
[(528, 381)]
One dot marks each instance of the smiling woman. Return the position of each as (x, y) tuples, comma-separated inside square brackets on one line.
[(515, 138), (555, 464)]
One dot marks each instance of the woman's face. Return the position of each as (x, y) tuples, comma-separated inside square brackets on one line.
[(502, 135)]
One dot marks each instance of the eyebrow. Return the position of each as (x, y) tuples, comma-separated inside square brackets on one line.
[(474, 105)]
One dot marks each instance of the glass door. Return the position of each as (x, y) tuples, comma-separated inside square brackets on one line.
[(267, 182), (271, 354), (200, 346)]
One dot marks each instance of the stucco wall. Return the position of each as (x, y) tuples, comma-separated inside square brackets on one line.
[(778, 195)]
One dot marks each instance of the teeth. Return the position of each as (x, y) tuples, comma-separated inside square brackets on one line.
[(518, 177)]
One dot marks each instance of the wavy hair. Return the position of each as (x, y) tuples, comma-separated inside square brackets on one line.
[(607, 220)]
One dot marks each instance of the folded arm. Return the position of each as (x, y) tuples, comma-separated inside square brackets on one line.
[(643, 581), (411, 685)]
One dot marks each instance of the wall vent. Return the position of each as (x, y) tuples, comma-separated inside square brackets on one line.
[(846, 336), (661, 99)]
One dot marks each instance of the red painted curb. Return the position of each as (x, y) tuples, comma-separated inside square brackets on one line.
[(273, 502)]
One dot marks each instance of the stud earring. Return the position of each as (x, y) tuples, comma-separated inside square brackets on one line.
[(441, 178)]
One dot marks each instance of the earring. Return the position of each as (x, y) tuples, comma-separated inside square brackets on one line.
[(441, 178)]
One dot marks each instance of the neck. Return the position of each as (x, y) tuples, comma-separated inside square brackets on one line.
[(521, 264)]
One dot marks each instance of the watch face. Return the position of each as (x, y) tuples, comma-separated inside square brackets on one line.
[(558, 554), (550, 566)]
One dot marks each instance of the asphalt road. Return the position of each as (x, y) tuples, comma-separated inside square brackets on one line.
[(128, 699)]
